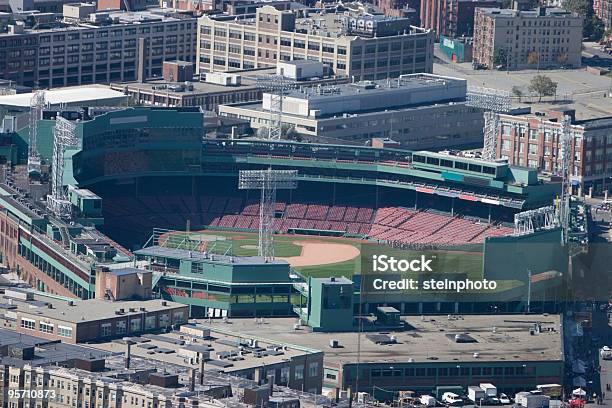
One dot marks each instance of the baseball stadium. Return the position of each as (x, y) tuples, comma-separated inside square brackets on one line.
[(148, 191)]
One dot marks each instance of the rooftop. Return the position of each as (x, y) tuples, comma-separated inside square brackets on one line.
[(115, 18), (405, 83), (428, 341), (229, 351), (175, 253), (548, 12), (46, 352), (65, 96), (77, 311)]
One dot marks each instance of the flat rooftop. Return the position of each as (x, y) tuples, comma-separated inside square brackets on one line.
[(223, 346), (429, 341), (117, 18), (550, 12), (77, 311), (199, 88), (405, 83), (84, 95), (185, 254), (46, 352)]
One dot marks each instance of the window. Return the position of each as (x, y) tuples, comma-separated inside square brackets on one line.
[(313, 369), (284, 375), (105, 329), (533, 149), (28, 324), (45, 327), (135, 325), (64, 331), (505, 145), (121, 327), (149, 322), (299, 372)]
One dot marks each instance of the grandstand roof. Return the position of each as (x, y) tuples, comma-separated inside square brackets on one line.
[(184, 254), (67, 96)]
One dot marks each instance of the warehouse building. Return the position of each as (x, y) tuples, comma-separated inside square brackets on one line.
[(364, 47), (108, 47), (433, 352)]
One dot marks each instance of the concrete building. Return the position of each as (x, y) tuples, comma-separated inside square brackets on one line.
[(435, 351), (452, 18), (517, 39), (533, 141), (363, 47), (109, 47), (420, 111)]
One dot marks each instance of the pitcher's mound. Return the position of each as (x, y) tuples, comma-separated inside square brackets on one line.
[(322, 253)]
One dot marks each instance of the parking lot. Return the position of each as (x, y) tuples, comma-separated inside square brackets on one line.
[(585, 91)]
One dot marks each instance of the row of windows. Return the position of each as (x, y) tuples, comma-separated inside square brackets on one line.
[(47, 328), (450, 372), (115, 32)]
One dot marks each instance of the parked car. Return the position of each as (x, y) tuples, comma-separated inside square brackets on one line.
[(504, 399)]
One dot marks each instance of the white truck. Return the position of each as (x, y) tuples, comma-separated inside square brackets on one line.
[(606, 353), (427, 401), (476, 394), (529, 400), (452, 399), (489, 389)]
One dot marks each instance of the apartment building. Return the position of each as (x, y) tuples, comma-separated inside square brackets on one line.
[(534, 141), (518, 39), (603, 10), (452, 18), (420, 111), (109, 47), (362, 47)]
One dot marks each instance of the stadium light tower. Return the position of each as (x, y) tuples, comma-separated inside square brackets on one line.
[(276, 87), (37, 103), (64, 136), (268, 181), (494, 102), (565, 152)]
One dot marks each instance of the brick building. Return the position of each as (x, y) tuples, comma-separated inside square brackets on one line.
[(518, 39), (452, 18), (533, 141)]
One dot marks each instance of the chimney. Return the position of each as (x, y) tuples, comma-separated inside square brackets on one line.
[(202, 370), (192, 374), (271, 383), (128, 354)]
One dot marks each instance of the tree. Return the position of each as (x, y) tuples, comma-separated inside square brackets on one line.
[(533, 58), (517, 91), (499, 57), (562, 58), (542, 85), (593, 27)]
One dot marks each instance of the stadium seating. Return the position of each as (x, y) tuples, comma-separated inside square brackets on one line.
[(396, 225)]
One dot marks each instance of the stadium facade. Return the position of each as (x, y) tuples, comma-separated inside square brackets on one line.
[(137, 169)]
